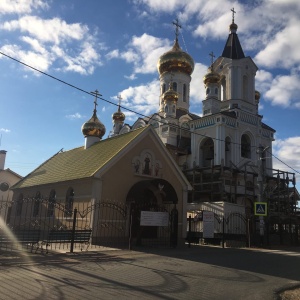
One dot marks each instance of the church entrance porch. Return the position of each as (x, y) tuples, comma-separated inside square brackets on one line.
[(153, 214)]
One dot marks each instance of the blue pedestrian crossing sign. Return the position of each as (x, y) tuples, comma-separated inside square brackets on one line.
[(260, 208)]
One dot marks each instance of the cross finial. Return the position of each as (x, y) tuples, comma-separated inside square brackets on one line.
[(233, 12), (97, 94), (211, 54), (120, 99), (177, 25)]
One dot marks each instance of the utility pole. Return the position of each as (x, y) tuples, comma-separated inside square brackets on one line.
[(260, 182)]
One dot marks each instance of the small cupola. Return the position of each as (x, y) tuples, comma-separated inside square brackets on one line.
[(93, 130), (170, 99), (118, 119)]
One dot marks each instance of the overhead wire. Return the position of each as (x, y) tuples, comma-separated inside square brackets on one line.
[(123, 107)]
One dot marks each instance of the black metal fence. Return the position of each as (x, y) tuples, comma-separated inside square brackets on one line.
[(230, 229), (43, 225)]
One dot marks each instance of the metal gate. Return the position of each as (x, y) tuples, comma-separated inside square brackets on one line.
[(44, 224), (231, 229)]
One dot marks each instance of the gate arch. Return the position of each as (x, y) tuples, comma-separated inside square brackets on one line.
[(156, 195)]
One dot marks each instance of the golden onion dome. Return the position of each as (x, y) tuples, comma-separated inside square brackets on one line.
[(175, 60), (211, 77), (118, 116), (170, 94), (257, 96), (93, 127)]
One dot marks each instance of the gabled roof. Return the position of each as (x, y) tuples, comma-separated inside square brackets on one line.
[(78, 163), (12, 172)]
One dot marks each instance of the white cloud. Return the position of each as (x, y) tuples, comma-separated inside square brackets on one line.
[(287, 150), (20, 6), (130, 116), (285, 41), (51, 30), (263, 81), (131, 77), (40, 61), (51, 41), (197, 90), (35, 44), (112, 54), (84, 62), (144, 52), (158, 5), (284, 90), (5, 130), (75, 116), (143, 99)]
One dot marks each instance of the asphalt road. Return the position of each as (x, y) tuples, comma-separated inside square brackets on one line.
[(198, 272)]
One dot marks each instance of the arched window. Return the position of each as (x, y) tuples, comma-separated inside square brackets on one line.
[(36, 206), (173, 109), (245, 146), (184, 93), (19, 205), (223, 89), (163, 89), (51, 203), (216, 91), (69, 202), (175, 86), (227, 151), (208, 152), (166, 109)]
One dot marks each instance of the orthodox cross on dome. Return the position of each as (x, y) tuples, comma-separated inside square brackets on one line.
[(120, 99), (211, 54), (233, 12), (97, 94), (177, 28)]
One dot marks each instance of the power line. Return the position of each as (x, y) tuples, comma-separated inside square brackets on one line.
[(284, 163), (123, 107)]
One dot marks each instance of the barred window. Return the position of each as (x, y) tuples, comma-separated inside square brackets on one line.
[(69, 202)]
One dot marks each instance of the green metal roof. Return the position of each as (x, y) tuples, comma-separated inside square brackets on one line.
[(78, 163)]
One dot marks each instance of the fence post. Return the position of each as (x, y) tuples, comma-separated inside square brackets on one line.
[(190, 229), (73, 231), (174, 227), (223, 232), (130, 229)]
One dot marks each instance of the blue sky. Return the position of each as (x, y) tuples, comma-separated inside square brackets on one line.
[(113, 46)]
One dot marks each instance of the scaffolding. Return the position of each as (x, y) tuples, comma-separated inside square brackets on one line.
[(241, 186)]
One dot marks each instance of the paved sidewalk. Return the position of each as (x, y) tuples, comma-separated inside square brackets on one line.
[(198, 272)]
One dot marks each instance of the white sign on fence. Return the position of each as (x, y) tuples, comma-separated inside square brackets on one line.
[(208, 224), (154, 218)]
